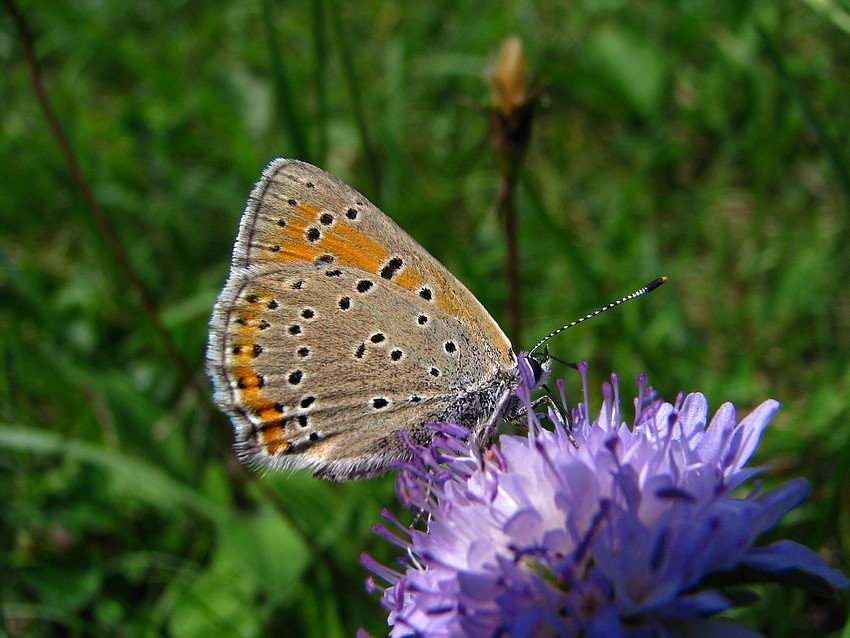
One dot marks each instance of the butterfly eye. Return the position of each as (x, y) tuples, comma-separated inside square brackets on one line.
[(536, 369)]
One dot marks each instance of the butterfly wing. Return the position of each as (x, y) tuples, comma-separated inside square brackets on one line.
[(336, 331)]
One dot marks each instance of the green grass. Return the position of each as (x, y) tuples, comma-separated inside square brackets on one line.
[(704, 141)]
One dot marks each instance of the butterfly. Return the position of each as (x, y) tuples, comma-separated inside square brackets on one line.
[(336, 332)]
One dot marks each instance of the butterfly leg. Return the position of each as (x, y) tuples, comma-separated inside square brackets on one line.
[(521, 412), (558, 408)]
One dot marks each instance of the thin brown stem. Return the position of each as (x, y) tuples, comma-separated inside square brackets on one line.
[(102, 222), (510, 121), (506, 210)]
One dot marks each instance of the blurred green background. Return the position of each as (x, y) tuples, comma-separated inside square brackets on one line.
[(702, 140)]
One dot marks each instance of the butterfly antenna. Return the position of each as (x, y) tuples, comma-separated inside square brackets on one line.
[(637, 293), (569, 364)]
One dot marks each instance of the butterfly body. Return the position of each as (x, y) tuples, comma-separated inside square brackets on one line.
[(336, 331)]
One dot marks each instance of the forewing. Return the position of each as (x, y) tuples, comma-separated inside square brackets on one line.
[(300, 214)]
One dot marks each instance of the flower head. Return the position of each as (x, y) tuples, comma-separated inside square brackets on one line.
[(615, 537)]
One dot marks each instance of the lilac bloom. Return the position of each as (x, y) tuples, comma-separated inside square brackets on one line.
[(615, 537)]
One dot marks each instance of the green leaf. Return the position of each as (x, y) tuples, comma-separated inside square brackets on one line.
[(142, 480), (630, 64)]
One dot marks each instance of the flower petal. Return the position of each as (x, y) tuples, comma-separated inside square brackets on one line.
[(787, 555)]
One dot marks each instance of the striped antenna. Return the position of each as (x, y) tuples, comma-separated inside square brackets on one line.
[(637, 293)]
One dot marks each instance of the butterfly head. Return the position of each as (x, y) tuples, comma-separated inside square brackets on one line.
[(541, 367)]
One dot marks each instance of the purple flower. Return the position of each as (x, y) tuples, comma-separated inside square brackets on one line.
[(614, 538)]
